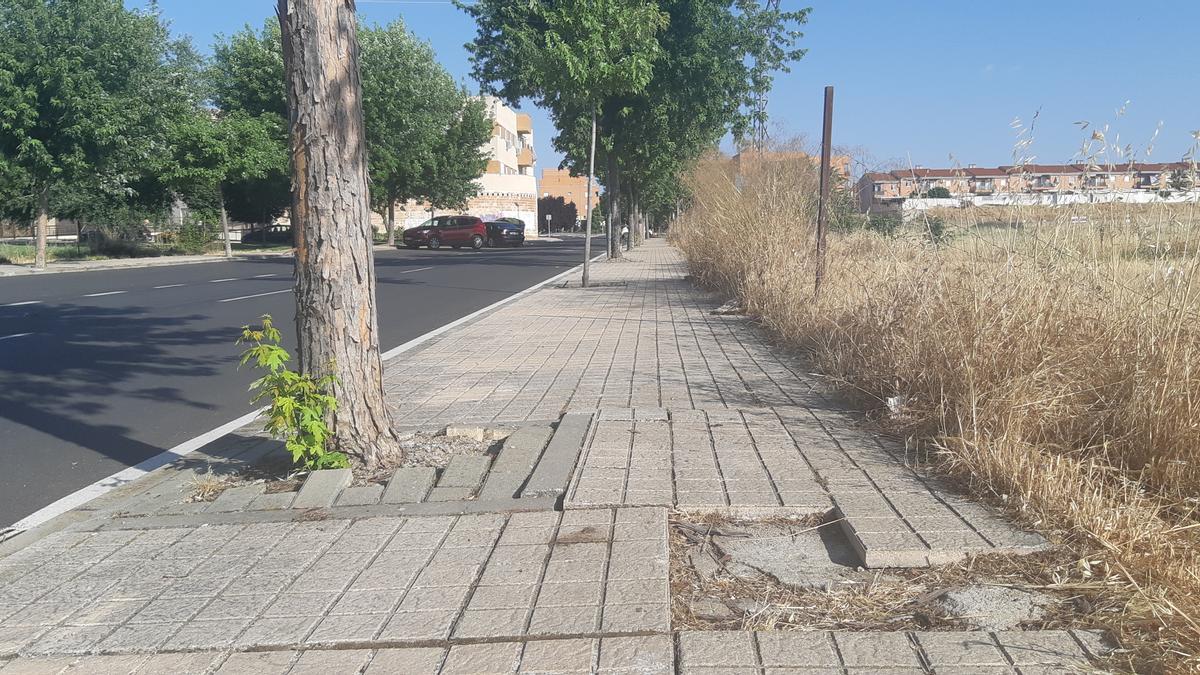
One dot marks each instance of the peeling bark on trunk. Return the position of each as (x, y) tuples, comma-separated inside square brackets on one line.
[(41, 225), (391, 223), (336, 322)]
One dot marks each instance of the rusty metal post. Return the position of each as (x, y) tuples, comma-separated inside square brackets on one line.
[(826, 184)]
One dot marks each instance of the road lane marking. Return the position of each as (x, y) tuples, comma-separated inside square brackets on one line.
[(256, 295), (169, 286), (15, 335), (22, 304), (221, 281), (97, 295), (263, 276), (419, 269), (126, 476)]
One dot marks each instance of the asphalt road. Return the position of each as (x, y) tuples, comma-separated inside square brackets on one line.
[(101, 370)]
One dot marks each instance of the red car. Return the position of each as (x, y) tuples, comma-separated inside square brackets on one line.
[(452, 231)]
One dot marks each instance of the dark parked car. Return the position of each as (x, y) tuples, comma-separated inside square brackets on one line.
[(452, 231), (505, 233)]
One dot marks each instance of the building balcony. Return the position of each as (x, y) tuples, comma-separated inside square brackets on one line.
[(525, 157), (524, 123)]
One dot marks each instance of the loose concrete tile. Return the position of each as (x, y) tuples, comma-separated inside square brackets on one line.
[(649, 655), (236, 498), (365, 495), (465, 471), (321, 488), (274, 501)]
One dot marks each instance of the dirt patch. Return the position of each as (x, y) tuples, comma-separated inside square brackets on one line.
[(717, 583)]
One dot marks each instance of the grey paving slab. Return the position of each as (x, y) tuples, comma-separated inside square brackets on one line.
[(516, 461), (360, 496), (552, 474), (321, 488), (237, 498), (410, 484), (464, 471)]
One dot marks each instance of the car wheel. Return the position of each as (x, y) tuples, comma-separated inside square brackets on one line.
[(477, 242), (435, 243)]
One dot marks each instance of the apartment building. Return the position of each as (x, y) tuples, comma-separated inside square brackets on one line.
[(991, 185), (508, 186), (564, 198)]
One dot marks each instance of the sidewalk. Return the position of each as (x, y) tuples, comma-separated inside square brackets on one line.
[(632, 418)]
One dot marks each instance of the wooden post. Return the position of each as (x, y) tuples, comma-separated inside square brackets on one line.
[(826, 183)]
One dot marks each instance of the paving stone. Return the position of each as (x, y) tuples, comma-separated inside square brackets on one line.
[(323, 662), (277, 631), (67, 640), (412, 661), (410, 484), (450, 494), (553, 472), (138, 637), (516, 462), (649, 655), (716, 648), (420, 625), (464, 471), (491, 623), (257, 663), (38, 666), (576, 620), (876, 649), (198, 634), (1044, 647), (364, 495), (237, 498), (274, 501), (637, 618), (546, 657), (339, 628), (176, 664), (956, 649), (321, 488), (794, 649), (483, 659)]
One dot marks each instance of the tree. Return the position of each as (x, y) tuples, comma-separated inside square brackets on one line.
[(81, 99), (424, 133), (214, 150), (246, 79), (938, 192), (576, 58), (336, 317), (1180, 180)]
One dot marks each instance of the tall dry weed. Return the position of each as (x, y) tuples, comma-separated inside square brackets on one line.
[(1051, 356)]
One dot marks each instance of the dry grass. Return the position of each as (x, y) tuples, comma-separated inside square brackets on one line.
[(1049, 356)]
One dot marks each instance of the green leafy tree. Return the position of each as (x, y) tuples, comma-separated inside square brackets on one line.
[(575, 58), (82, 109), (215, 150), (1181, 180), (938, 192), (424, 133), (246, 79)]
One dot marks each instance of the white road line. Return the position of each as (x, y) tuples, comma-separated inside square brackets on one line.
[(221, 281), (262, 276), (169, 286), (256, 295), (419, 269), (81, 497), (15, 335), (22, 304), (97, 295)]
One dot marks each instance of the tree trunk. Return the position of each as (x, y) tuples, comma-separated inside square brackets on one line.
[(41, 225), (336, 323), (391, 223), (225, 225), (587, 230), (613, 188)]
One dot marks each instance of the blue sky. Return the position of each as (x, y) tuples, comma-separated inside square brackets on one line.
[(929, 83)]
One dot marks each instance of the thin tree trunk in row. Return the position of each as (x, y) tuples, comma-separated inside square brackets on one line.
[(41, 225), (225, 224), (391, 223), (337, 328)]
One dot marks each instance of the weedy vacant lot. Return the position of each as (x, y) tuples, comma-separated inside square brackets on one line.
[(1050, 357)]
